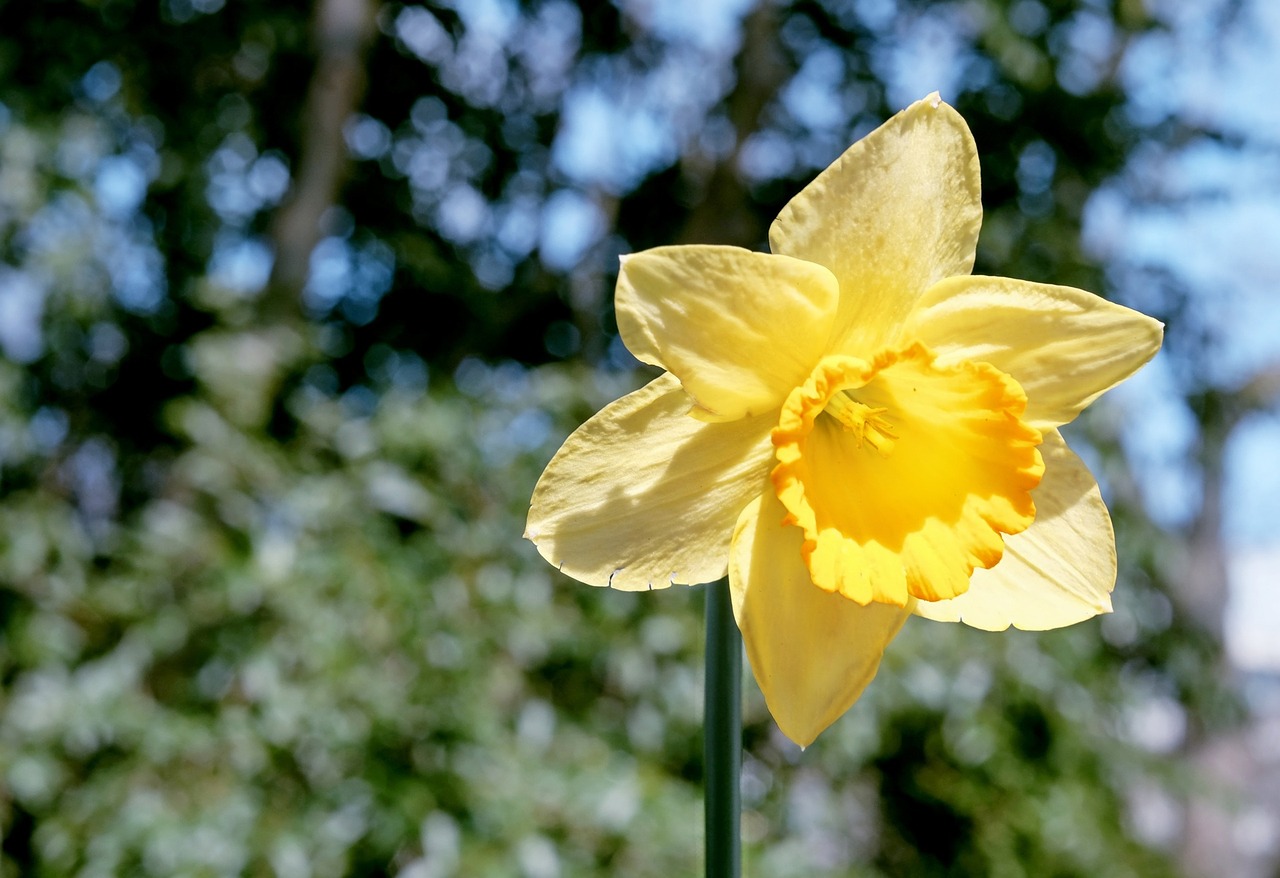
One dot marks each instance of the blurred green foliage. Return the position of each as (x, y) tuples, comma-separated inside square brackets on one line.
[(264, 605)]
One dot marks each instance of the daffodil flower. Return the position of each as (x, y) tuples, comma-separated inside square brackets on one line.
[(853, 426)]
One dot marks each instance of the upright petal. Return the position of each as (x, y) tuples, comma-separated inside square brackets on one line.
[(643, 496), (1057, 572), (812, 652), (1064, 346), (898, 212), (739, 329)]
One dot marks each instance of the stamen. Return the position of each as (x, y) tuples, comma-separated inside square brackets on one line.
[(866, 423)]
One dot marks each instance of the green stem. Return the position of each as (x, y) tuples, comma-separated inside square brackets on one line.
[(722, 735)]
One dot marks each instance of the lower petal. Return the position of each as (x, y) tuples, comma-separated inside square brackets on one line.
[(643, 496), (1057, 572), (812, 652)]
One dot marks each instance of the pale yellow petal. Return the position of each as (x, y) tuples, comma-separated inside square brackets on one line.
[(643, 496), (739, 329), (1057, 572), (812, 651), (1064, 346), (898, 212)]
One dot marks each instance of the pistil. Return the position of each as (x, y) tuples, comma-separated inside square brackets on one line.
[(867, 424)]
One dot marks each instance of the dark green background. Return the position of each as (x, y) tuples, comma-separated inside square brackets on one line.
[(264, 605)]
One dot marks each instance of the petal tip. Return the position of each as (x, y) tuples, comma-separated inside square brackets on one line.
[(802, 734), (802, 742)]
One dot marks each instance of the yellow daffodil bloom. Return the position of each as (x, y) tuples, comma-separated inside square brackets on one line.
[(854, 427)]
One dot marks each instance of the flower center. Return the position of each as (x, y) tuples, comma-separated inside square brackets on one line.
[(867, 424), (953, 472)]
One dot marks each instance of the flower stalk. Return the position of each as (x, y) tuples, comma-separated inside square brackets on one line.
[(722, 735)]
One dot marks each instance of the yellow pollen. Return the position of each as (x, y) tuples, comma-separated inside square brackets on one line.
[(866, 423)]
